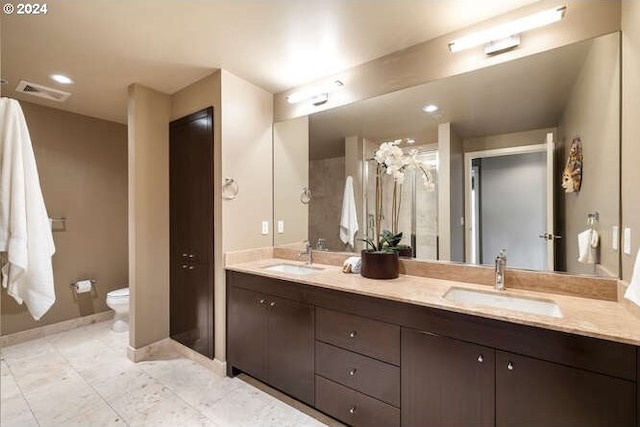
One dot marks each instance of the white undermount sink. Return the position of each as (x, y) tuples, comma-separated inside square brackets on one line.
[(295, 269), (503, 301)]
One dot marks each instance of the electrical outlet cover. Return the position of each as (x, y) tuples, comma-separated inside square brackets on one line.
[(627, 241), (614, 237)]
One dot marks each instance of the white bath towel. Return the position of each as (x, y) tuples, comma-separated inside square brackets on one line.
[(349, 217), (633, 291), (25, 232), (588, 242)]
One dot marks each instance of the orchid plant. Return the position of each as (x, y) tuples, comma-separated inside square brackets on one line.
[(393, 161)]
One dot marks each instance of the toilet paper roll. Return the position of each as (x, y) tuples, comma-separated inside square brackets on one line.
[(83, 286)]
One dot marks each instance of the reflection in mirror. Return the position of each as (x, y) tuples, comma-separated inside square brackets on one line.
[(499, 141)]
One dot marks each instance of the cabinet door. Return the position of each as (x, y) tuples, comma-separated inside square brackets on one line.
[(446, 382), (290, 348), (532, 392), (247, 332)]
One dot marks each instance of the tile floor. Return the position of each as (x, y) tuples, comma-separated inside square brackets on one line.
[(83, 378)]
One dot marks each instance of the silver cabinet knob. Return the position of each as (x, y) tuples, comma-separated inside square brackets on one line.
[(480, 358), (184, 266), (352, 372), (262, 301), (510, 366), (191, 267), (352, 334), (191, 256), (352, 410), (272, 303)]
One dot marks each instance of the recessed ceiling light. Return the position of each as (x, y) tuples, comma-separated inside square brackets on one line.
[(60, 78), (430, 108)]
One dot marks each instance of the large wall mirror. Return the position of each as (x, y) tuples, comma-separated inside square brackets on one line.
[(495, 150)]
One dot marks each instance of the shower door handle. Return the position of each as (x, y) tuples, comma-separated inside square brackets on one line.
[(549, 236)]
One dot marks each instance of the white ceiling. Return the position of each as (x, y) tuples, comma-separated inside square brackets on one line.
[(167, 44), (524, 94)]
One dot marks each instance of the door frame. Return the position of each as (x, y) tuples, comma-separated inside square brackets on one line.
[(548, 148)]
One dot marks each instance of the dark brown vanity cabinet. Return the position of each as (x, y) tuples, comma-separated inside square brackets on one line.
[(375, 362), (271, 339), (449, 382), (532, 392), (446, 382), (357, 369)]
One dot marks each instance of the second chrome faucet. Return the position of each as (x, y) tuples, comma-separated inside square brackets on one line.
[(501, 266)]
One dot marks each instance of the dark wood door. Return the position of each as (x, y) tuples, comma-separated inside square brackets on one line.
[(290, 347), (247, 332), (446, 382), (532, 393), (191, 231)]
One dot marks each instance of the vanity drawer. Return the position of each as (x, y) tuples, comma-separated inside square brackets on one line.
[(353, 408), (365, 336), (371, 377)]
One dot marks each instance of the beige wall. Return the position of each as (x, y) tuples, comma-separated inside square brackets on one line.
[(149, 112), (82, 163), (432, 60), (593, 113), (450, 194), (630, 129), (290, 176), (326, 179)]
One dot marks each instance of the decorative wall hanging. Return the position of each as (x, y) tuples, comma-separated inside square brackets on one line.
[(572, 175)]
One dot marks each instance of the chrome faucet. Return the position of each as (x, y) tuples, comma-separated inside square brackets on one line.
[(501, 265), (308, 252)]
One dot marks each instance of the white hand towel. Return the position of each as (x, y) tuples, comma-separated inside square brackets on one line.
[(588, 242), (349, 217), (352, 265), (25, 231), (633, 291)]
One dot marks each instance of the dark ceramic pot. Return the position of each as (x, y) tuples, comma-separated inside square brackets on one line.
[(380, 265)]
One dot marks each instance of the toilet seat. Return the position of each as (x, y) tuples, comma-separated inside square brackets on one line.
[(118, 294)]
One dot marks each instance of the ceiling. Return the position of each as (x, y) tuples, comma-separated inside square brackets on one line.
[(167, 44), (489, 101)]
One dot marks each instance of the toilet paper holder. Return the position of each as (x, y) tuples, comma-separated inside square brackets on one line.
[(79, 285)]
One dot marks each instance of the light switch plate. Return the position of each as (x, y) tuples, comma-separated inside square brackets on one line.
[(614, 237), (265, 227), (627, 241), (280, 226)]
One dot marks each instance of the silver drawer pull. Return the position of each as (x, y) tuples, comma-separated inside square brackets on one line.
[(510, 366), (352, 334), (480, 358), (352, 372), (272, 303), (352, 410)]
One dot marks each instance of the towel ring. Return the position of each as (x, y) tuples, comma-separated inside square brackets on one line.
[(305, 197), (230, 189)]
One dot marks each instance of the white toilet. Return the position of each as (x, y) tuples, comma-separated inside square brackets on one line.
[(118, 301)]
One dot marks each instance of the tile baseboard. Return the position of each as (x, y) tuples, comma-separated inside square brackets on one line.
[(55, 328)]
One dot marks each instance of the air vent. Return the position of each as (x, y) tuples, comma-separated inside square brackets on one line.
[(42, 91)]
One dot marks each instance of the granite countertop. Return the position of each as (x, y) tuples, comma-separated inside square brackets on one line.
[(582, 316)]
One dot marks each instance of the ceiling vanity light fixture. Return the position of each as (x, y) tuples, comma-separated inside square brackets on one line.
[(317, 95), (506, 36), (61, 78)]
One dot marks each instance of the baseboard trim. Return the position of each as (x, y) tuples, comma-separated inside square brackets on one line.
[(215, 365), (54, 328), (148, 351)]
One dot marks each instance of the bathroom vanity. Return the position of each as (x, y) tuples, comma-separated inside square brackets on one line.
[(397, 353)]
